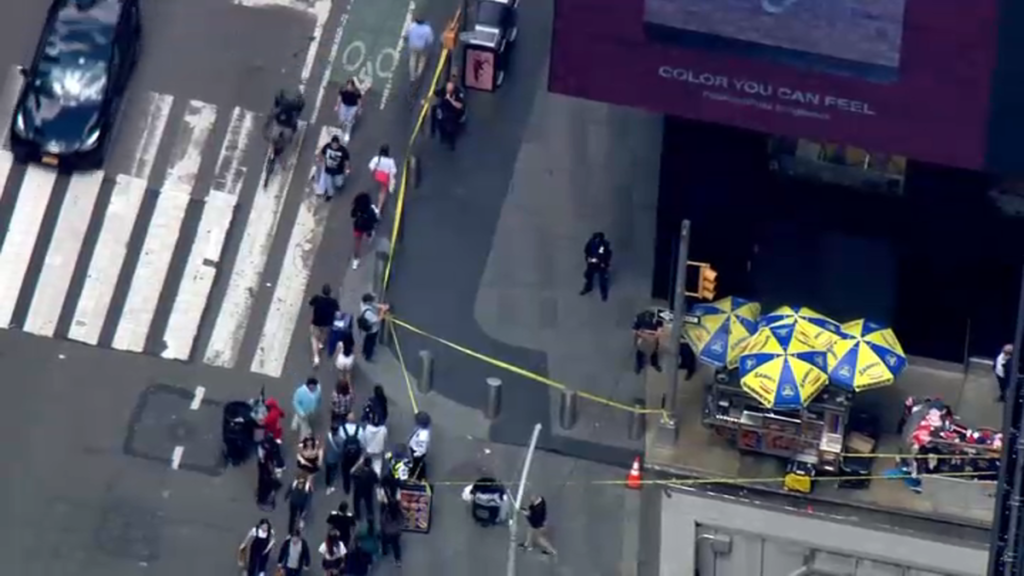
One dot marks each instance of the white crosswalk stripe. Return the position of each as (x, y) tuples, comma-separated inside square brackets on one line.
[(107, 272)]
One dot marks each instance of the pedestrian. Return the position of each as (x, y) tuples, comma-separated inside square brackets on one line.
[(687, 359), (254, 553), (350, 104), (364, 484), (324, 306), (333, 160), (1003, 368), (272, 421), (332, 454), (537, 526), (342, 400), (370, 314), (332, 553), (293, 559), (385, 171), (345, 359), (375, 411), (341, 328), (309, 458), (448, 113), (351, 449), (305, 402), (597, 253), (375, 437), (419, 445), (647, 328), (342, 521), (269, 469), (365, 217), (392, 522), (358, 561), (419, 37), (300, 497)]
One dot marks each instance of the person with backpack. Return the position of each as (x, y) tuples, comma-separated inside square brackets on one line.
[(352, 446), (365, 217), (370, 314)]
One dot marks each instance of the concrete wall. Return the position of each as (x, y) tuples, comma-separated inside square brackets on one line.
[(705, 535)]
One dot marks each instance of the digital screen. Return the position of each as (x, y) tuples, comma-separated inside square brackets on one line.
[(905, 77)]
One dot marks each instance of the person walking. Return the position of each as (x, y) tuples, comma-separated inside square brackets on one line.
[(305, 403), (300, 496), (324, 306), (350, 104), (537, 526), (351, 449), (342, 521), (341, 328), (332, 554), (333, 160), (342, 400), (385, 171), (448, 113), (597, 253), (375, 437), (254, 553), (293, 559), (419, 445), (370, 313), (1003, 368), (365, 217), (358, 561), (269, 469), (309, 458), (647, 329), (419, 37), (364, 484), (376, 407), (392, 522), (332, 454)]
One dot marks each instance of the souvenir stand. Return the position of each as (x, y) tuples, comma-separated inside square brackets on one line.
[(939, 443)]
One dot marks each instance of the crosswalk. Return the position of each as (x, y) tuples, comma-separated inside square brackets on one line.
[(130, 260)]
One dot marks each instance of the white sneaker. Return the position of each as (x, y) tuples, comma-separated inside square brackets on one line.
[(330, 490), (316, 361), (355, 263)]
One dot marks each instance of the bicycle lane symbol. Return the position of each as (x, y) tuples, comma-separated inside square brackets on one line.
[(368, 68)]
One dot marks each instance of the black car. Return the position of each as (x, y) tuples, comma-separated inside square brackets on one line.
[(74, 88)]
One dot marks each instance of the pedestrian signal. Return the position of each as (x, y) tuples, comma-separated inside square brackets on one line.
[(707, 282)]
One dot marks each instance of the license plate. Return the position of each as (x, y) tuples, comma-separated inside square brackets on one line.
[(50, 160)]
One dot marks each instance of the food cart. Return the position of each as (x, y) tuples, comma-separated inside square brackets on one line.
[(939, 444), (814, 434)]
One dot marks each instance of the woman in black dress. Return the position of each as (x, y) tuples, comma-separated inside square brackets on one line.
[(254, 553), (269, 469)]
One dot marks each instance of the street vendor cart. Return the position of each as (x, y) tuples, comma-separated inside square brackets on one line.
[(938, 443)]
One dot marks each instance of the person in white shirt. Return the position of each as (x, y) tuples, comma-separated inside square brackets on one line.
[(332, 552), (419, 445), (375, 436), (385, 172), (1003, 370)]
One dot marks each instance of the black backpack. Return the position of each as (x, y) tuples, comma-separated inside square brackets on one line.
[(371, 415), (362, 322), (351, 449)]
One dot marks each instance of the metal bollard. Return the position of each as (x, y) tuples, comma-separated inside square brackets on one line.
[(637, 420), (384, 334), (567, 410), (426, 372), (493, 398)]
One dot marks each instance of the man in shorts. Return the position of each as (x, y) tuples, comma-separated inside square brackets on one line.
[(334, 166), (324, 306), (349, 104)]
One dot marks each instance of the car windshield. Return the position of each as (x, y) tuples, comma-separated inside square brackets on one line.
[(69, 81)]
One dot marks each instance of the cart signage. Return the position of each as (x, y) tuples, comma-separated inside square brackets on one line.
[(415, 501)]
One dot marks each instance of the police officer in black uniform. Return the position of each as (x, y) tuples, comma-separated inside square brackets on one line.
[(598, 255)]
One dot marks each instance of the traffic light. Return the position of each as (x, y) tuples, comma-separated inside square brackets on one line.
[(706, 289)]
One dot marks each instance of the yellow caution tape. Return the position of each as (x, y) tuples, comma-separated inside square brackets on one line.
[(405, 373)]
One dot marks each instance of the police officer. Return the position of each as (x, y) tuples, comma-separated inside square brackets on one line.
[(647, 331), (598, 255)]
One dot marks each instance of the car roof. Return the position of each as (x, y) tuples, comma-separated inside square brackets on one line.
[(84, 26)]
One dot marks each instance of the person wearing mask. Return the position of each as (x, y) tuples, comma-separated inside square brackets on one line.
[(269, 469), (305, 403), (448, 113), (364, 221), (1003, 367), (341, 328), (324, 306), (537, 526), (385, 171), (342, 400), (332, 554), (342, 521), (419, 445), (419, 37), (254, 553), (647, 329), (364, 484), (370, 313), (375, 436), (350, 104), (598, 256), (293, 559), (392, 522), (333, 160)]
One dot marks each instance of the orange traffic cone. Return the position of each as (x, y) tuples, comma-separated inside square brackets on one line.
[(635, 479)]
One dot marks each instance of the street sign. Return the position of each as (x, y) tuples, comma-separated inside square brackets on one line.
[(691, 319)]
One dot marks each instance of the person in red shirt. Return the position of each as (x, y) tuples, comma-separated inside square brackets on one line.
[(272, 424)]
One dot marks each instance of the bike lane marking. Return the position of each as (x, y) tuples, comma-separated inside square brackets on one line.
[(372, 49)]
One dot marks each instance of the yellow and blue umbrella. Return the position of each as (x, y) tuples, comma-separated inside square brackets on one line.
[(826, 329), (724, 327), (783, 366), (868, 355)]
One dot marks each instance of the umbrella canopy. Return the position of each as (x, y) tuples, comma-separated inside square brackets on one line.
[(868, 355), (724, 327), (825, 328), (783, 366)]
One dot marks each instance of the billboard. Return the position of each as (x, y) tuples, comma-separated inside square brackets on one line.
[(909, 77)]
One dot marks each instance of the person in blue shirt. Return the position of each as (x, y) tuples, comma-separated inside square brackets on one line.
[(419, 37), (305, 402)]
